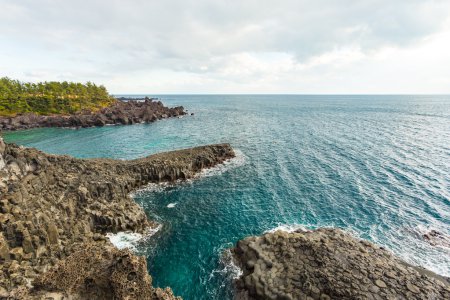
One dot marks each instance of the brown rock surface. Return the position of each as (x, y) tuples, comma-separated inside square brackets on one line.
[(51, 204), (129, 112), (328, 264), (96, 271)]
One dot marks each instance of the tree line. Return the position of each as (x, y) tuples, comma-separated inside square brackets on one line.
[(51, 97)]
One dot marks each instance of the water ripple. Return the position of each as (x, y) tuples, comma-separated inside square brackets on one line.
[(377, 166)]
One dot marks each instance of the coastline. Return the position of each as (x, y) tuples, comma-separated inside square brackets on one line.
[(328, 263), (48, 284), (54, 207), (120, 113)]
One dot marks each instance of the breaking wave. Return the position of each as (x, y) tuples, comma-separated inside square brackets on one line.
[(131, 240)]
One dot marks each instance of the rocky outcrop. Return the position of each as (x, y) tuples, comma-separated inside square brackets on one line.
[(98, 272), (124, 113), (328, 264), (136, 99), (50, 205)]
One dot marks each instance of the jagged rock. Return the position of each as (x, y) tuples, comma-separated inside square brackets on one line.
[(120, 112), (97, 271), (328, 264), (50, 204), (436, 238)]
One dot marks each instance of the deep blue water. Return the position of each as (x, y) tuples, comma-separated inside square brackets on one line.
[(378, 166)]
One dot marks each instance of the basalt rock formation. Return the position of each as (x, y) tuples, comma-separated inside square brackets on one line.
[(328, 264), (55, 210), (135, 98), (125, 113)]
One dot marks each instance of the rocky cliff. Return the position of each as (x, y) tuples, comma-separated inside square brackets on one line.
[(55, 210), (328, 264), (120, 112)]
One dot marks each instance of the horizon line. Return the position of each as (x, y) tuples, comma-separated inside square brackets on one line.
[(279, 94)]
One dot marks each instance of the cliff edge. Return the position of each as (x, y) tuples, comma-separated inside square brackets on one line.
[(55, 211), (328, 264)]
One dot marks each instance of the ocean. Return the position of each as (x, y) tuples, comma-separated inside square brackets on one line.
[(377, 166)]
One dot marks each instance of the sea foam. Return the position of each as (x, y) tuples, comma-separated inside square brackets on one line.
[(239, 160), (130, 240)]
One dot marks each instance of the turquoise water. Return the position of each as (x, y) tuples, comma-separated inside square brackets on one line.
[(378, 166)]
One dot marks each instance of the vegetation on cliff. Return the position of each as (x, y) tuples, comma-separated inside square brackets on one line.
[(51, 97)]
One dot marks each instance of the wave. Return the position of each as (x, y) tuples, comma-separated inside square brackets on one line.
[(431, 246), (225, 273), (229, 265), (289, 228), (131, 240), (239, 160)]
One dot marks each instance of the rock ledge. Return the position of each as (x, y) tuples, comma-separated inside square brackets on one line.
[(55, 211), (328, 264)]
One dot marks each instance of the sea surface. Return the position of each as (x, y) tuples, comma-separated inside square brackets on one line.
[(378, 166)]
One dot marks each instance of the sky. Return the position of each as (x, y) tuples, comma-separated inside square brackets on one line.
[(231, 47)]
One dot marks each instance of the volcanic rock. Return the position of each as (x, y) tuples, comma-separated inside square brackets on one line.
[(328, 264), (52, 204), (124, 113)]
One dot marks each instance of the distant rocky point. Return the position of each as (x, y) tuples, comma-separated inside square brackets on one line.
[(137, 98), (328, 264), (120, 112)]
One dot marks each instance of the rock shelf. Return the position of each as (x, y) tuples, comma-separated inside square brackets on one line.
[(55, 211), (328, 264)]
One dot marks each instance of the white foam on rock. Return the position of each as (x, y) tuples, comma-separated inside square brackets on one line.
[(227, 269), (130, 240), (124, 239), (288, 228), (230, 266), (431, 257), (239, 160)]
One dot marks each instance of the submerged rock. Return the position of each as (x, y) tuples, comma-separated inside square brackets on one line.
[(328, 264), (52, 204), (123, 113), (436, 238)]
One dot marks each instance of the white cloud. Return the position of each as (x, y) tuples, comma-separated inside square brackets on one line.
[(230, 46)]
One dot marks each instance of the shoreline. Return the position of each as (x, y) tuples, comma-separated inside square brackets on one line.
[(120, 113), (328, 263), (64, 264), (54, 207), (56, 276)]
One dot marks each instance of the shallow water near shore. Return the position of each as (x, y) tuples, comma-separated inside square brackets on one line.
[(378, 166)]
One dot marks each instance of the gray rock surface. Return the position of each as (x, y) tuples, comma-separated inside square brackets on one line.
[(124, 113), (51, 204), (328, 264)]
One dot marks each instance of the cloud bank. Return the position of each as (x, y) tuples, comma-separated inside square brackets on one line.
[(230, 46)]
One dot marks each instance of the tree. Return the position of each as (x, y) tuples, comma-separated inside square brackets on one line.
[(51, 97)]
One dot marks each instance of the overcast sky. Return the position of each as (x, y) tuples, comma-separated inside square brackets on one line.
[(260, 46)]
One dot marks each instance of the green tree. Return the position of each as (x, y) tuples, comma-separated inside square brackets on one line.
[(51, 97)]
